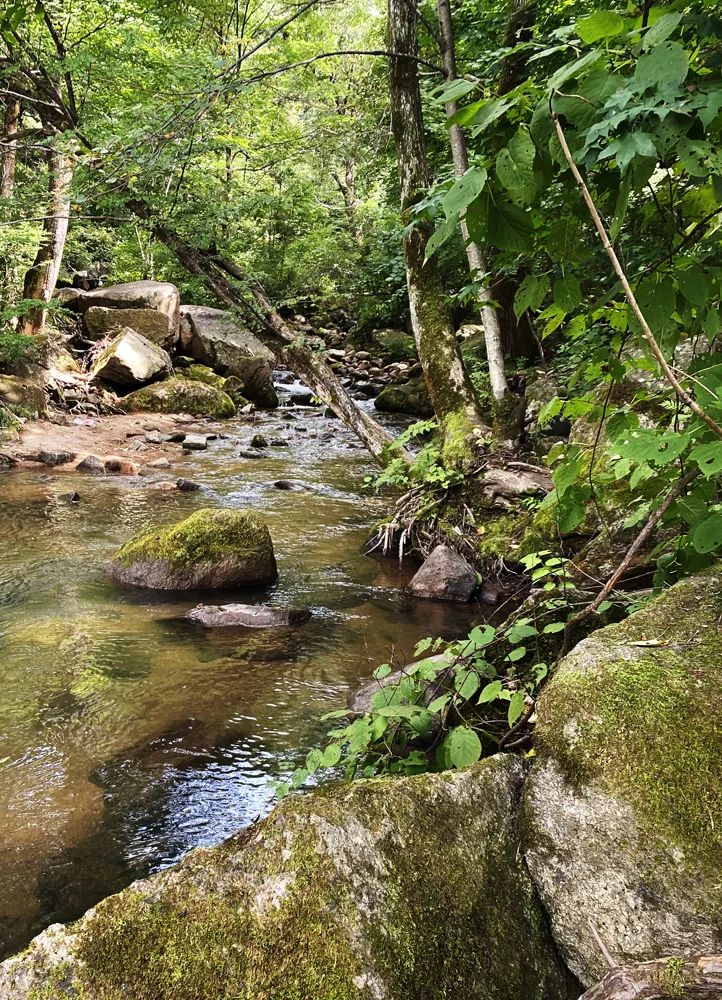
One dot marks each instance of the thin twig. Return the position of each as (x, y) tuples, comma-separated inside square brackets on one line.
[(629, 294)]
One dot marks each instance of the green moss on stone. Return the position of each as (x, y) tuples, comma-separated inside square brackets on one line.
[(181, 395), (208, 535), (636, 711), (201, 373)]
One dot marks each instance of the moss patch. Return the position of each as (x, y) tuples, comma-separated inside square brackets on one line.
[(636, 711), (181, 395), (201, 373)]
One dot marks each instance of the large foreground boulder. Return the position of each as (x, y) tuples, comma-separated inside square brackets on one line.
[(211, 549), (213, 337), (181, 395), (388, 889), (412, 397), (101, 321), (131, 360), (23, 395), (624, 808), (158, 296)]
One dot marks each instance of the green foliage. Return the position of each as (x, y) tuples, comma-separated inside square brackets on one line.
[(455, 704), (13, 347), (427, 468)]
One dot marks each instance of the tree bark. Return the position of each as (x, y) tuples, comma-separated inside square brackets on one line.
[(42, 276), (9, 148), (449, 388), (698, 977), (347, 187), (284, 343), (474, 253)]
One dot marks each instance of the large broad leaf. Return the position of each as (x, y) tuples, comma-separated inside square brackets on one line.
[(708, 457), (567, 292), (658, 302), (647, 445), (530, 293), (707, 536), (693, 285), (574, 69), (509, 227), (660, 30), (463, 746), (454, 90), (600, 24), (626, 147), (515, 165), (488, 112), (464, 190), (440, 236), (665, 64)]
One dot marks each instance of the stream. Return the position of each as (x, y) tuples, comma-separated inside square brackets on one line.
[(127, 736)]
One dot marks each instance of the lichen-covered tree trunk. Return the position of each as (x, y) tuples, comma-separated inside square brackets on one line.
[(9, 147), (474, 252), (287, 347), (42, 276), (449, 388)]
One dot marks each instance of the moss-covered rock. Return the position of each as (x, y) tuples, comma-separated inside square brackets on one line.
[(412, 397), (624, 808), (376, 890), (202, 373), (396, 345), (210, 549), (181, 395)]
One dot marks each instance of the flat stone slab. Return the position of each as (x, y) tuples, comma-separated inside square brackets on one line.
[(195, 442), (247, 615)]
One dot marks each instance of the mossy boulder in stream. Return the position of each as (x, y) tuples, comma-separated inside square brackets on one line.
[(181, 395), (412, 397), (211, 549), (623, 811), (374, 890)]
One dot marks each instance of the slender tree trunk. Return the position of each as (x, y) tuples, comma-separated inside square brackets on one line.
[(42, 276), (347, 187), (474, 253), (9, 147), (449, 388), (284, 343)]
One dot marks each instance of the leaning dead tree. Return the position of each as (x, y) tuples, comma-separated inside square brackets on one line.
[(290, 349)]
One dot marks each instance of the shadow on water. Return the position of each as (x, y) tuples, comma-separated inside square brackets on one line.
[(127, 736)]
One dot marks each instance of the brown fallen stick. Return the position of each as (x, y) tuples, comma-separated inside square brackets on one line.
[(697, 977)]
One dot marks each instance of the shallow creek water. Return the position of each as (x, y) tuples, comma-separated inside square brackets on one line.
[(128, 737)]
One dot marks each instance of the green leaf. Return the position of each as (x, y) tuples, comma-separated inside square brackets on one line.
[(515, 165), (553, 627), (660, 30), (487, 112), (573, 69), (490, 692), (453, 91), (509, 227), (398, 711), (438, 704), (464, 190), (298, 777), (693, 285), (708, 457), (530, 293), (600, 24), (314, 760), (382, 671), (518, 632), (516, 707), (331, 755), (466, 683), (517, 654), (568, 292), (440, 235), (707, 536), (463, 746), (627, 147), (666, 64)]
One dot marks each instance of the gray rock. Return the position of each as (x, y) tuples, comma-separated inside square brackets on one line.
[(623, 811), (52, 458), (444, 576), (259, 441), (371, 890), (247, 615), (159, 296), (412, 397), (290, 485), (250, 453), (211, 549), (187, 485), (213, 337), (157, 327), (131, 360), (159, 463), (195, 442), (91, 464)]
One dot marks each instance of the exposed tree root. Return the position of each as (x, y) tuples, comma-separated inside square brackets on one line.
[(698, 977)]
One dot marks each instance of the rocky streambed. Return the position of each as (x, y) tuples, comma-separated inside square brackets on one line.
[(129, 735)]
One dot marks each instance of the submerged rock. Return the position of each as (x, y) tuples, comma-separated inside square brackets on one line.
[(213, 337), (444, 576), (131, 360), (181, 395), (210, 549), (623, 810), (247, 615), (374, 890)]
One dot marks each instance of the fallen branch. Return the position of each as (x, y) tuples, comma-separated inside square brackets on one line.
[(676, 491), (679, 389), (698, 977)]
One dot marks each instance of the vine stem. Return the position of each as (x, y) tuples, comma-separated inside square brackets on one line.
[(629, 294), (679, 487)]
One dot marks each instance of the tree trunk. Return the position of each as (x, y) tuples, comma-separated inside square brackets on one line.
[(281, 339), (474, 253), (347, 187), (698, 977), (9, 148), (449, 388), (42, 276)]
